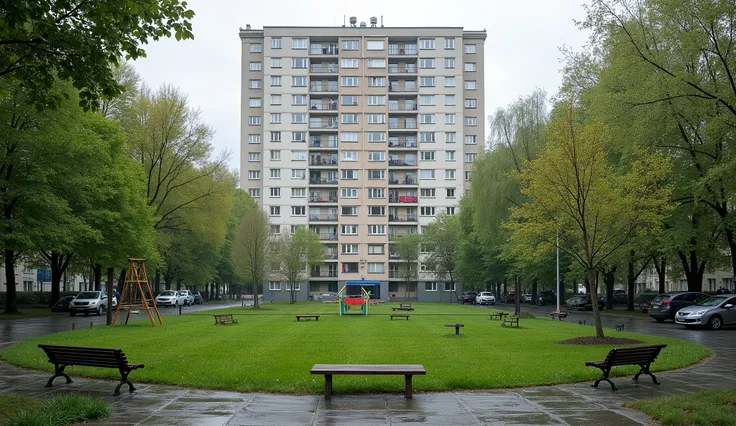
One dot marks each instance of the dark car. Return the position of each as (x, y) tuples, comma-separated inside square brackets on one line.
[(620, 297), (666, 305), (581, 302), (62, 305), (546, 297), (467, 297), (509, 297), (198, 298)]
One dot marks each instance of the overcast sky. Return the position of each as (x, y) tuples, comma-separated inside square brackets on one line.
[(522, 48)]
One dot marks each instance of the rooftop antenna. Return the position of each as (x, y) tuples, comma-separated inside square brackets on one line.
[(374, 21), (353, 21), (362, 24), (382, 20), (247, 26), (343, 21)]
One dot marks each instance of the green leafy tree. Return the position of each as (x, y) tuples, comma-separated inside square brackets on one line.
[(407, 248), (79, 40), (242, 204), (572, 190), (295, 255), (251, 252), (442, 240)]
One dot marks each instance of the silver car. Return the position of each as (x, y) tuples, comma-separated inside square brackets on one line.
[(88, 302), (714, 312)]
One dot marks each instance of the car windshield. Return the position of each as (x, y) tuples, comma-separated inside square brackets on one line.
[(167, 293), (88, 295), (486, 294), (712, 301)]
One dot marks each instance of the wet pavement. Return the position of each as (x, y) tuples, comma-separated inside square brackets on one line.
[(569, 404)]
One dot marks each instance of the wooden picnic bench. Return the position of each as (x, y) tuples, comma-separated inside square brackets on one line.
[(498, 315), (510, 321), (400, 316), (642, 356), (66, 356), (402, 309), (408, 370), (560, 315), (305, 316), (224, 319), (457, 327)]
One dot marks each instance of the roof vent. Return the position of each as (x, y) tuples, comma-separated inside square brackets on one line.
[(247, 26), (353, 21), (362, 24), (374, 21)]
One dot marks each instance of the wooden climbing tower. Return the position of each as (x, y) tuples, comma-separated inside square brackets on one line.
[(137, 294)]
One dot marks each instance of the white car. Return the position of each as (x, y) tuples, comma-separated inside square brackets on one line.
[(189, 297), (170, 298), (485, 298)]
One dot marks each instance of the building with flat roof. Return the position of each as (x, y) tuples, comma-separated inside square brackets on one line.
[(362, 133)]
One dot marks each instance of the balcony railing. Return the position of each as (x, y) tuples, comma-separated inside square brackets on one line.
[(394, 256), (318, 161), (323, 87), (323, 274), (402, 163), (322, 181), (402, 107), (326, 199), (329, 49), (402, 124), (402, 199), (409, 217), (323, 217), (330, 236), (329, 68), (323, 144), (398, 87), (316, 123), (402, 70), (402, 144), (331, 255), (323, 106), (402, 181), (395, 51)]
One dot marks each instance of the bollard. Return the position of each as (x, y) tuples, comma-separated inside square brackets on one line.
[(179, 309), (73, 324), (90, 324)]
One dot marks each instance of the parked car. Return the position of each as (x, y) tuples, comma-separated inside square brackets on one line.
[(198, 300), (545, 297), (510, 297), (467, 297), (189, 297), (485, 298), (581, 302), (713, 312), (88, 302), (666, 305), (62, 305), (526, 298), (170, 298), (644, 299), (620, 297)]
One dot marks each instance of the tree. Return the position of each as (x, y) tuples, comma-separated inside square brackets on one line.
[(242, 204), (79, 40), (442, 239), (407, 248), (296, 254), (252, 250), (572, 190)]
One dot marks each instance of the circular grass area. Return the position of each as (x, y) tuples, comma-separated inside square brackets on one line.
[(270, 351)]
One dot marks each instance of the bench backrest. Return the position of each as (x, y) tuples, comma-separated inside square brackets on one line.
[(405, 305), (635, 355), (86, 356), (223, 316)]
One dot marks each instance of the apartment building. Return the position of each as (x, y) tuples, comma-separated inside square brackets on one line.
[(361, 133)]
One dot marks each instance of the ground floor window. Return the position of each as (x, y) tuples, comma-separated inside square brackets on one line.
[(314, 287), (430, 286), (393, 287), (449, 286), (274, 285), (332, 287)]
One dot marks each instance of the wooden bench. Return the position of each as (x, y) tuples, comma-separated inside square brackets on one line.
[(457, 327), (305, 316), (498, 315), (400, 316), (65, 356), (511, 321), (642, 356), (408, 370), (560, 315), (619, 327), (224, 319)]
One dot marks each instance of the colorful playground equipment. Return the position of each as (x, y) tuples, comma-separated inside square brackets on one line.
[(353, 293)]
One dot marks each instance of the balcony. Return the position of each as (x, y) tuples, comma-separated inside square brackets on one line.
[(322, 181), (408, 217), (401, 163), (323, 274), (326, 87), (401, 87), (331, 255), (330, 105), (326, 161), (318, 143), (407, 181), (327, 236), (331, 198), (402, 106), (405, 69), (393, 256), (402, 125), (402, 144), (324, 49), (402, 49), (323, 217), (404, 199), (323, 123), (392, 235), (324, 68)]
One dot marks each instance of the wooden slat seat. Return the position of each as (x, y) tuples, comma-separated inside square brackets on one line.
[(510, 321), (224, 319), (66, 356), (400, 316), (559, 315), (305, 316), (642, 356), (498, 315), (408, 370)]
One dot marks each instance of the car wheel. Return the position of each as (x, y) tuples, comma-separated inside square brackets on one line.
[(659, 319), (99, 311), (72, 313), (715, 322)]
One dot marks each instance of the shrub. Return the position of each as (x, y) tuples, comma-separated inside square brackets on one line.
[(62, 410)]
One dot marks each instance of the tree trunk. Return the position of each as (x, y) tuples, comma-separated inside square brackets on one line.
[(591, 279), (505, 286), (693, 270), (517, 296), (534, 291), (178, 283), (609, 278), (97, 269), (731, 239), (630, 285), (588, 280), (59, 263), (110, 277), (157, 281), (661, 268), (121, 285), (11, 306)]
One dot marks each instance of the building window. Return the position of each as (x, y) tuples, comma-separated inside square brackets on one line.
[(298, 192), (471, 121), (427, 137), (299, 118), (349, 230), (299, 63), (299, 81), (254, 120), (298, 99), (298, 173), (350, 268), (275, 229), (376, 174), (469, 48), (449, 100), (470, 140), (298, 155), (376, 63), (349, 249), (376, 156), (376, 249), (275, 119), (350, 174), (275, 155), (450, 211), (350, 156), (255, 66), (256, 48), (349, 137), (298, 211), (374, 45), (375, 268), (254, 138), (274, 286), (426, 100), (450, 193), (376, 229), (426, 63), (427, 193), (426, 174), (449, 155), (377, 82), (449, 63), (275, 99), (254, 102), (298, 136), (426, 211), (349, 118), (449, 118), (449, 43), (449, 286), (471, 103), (275, 62), (276, 80), (426, 155), (276, 43), (468, 176), (349, 192), (276, 136), (349, 81), (350, 45), (470, 85), (426, 81), (450, 174), (275, 173), (426, 118), (449, 81), (349, 211), (376, 193), (376, 100), (254, 192), (349, 100), (470, 66), (377, 211), (298, 43), (254, 156), (376, 136), (430, 285), (469, 158), (426, 43), (376, 118), (254, 174), (349, 63), (255, 84), (274, 211)]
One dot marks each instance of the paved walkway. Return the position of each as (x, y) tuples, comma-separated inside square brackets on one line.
[(571, 404)]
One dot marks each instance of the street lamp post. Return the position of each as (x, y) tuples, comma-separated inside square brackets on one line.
[(557, 244)]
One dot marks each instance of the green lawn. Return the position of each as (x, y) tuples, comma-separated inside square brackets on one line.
[(61, 410), (270, 351), (709, 408), (11, 405)]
